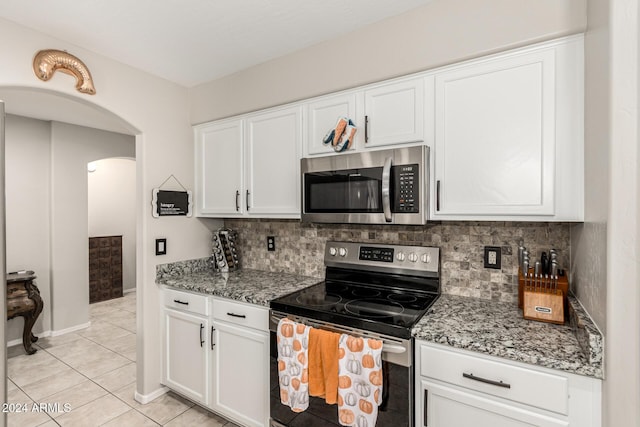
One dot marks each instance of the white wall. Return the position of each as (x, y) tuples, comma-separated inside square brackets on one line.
[(622, 341), (157, 112), (27, 172), (439, 33), (589, 240), (72, 147), (605, 247), (112, 209)]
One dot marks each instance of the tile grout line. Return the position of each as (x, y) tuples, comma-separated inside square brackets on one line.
[(90, 379)]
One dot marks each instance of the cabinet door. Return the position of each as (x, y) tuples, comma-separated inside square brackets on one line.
[(394, 113), (274, 141), (322, 116), (241, 374), (186, 355), (219, 166), (495, 137), (442, 406)]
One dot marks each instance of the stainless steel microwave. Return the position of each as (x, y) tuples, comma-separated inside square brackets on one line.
[(371, 187)]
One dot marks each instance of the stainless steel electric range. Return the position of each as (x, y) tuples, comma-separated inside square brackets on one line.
[(370, 290)]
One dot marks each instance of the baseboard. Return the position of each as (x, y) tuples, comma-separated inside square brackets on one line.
[(71, 329), (18, 341), (146, 398), (128, 291)]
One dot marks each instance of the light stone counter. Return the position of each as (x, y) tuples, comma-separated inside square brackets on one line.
[(251, 286), (498, 329), (489, 327)]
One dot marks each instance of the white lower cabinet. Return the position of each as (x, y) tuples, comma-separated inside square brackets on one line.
[(186, 360), (216, 353), (241, 372), (460, 388)]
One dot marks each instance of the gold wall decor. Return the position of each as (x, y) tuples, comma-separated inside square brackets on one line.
[(48, 61)]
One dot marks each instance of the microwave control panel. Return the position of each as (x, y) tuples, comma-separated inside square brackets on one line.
[(406, 184)]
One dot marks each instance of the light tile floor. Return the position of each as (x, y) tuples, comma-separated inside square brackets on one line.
[(93, 372)]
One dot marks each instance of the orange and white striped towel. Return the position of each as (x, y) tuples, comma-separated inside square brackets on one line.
[(293, 364), (359, 380)]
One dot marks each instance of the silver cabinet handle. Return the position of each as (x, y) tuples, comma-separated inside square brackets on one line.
[(247, 200), (386, 198), (425, 407), (237, 204), (486, 381), (242, 316), (366, 129)]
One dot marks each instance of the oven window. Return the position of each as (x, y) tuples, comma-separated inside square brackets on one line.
[(344, 191)]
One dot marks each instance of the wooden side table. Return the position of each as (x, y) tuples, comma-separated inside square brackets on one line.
[(23, 299)]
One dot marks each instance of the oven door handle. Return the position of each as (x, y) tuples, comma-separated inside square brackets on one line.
[(391, 348), (386, 187)]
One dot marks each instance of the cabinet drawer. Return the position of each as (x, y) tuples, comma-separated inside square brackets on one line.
[(186, 301), (248, 315), (534, 388)]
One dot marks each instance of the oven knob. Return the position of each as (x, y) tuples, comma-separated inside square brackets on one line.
[(400, 256), (342, 252), (413, 257), (426, 258), (333, 251)]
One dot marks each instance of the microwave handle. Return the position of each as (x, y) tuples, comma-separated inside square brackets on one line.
[(386, 196)]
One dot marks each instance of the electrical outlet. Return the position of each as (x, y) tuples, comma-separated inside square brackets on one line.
[(271, 243), (493, 257)]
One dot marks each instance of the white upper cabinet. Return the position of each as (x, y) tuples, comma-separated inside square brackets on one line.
[(508, 137), (273, 142), (219, 166), (250, 166), (505, 132), (322, 115), (384, 114), (394, 113)]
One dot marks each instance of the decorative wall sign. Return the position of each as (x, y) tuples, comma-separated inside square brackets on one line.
[(48, 61), (171, 202)]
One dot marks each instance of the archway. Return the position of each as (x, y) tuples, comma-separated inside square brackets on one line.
[(66, 110)]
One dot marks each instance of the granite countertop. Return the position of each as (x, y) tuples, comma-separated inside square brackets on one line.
[(498, 329), (484, 326), (251, 286)]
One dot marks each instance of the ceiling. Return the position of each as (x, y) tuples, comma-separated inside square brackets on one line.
[(195, 41)]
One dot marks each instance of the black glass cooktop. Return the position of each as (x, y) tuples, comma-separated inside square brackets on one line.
[(390, 308)]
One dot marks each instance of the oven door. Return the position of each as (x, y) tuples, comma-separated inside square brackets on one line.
[(379, 187), (396, 409)]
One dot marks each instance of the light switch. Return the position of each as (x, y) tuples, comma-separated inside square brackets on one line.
[(161, 246)]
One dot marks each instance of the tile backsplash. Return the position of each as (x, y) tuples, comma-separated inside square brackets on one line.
[(300, 248)]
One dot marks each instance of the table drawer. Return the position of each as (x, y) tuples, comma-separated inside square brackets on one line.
[(243, 314), (527, 386), (186, 301)]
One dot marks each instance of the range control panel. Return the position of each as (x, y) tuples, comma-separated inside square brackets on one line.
[(376, 254), (399, 257)]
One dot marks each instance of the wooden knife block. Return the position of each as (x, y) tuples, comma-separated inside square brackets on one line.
[(548, 305)]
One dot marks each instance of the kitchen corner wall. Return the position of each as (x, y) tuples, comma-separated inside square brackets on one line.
[(300, 248)]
